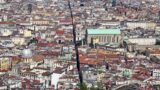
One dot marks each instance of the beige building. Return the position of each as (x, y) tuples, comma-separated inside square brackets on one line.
[(5, 63), (145, 25), (103, 36), (27, 33), (5, 32), (143, 41), (18, 40)]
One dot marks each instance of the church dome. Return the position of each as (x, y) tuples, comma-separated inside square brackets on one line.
[(27, 53)]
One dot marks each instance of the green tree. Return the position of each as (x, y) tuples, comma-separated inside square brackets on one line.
[(82, 86), (93, 88), (99, 87)]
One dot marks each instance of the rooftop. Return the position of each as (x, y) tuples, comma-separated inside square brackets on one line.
[(103, 31)]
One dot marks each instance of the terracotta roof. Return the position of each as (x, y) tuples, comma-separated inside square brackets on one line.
[(7, 23), (3, 70), (15, 58), (38, 58), (46, 44), (27, 83), (46, 74), (50, 53), (89, 61), (155, 51), (65, 21), (41, 68), (60, 32), (31, 73), (58, 70)]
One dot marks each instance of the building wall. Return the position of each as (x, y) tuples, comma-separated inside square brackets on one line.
[(5, 32), (27, 33), (80, 34), (145, 25), (17, 84), (18, 40), (40, 22), (4, 63), (143, 41), (156, 73), (55, 79), (2, 1), (27, 60), (3, 87), (104, 38)]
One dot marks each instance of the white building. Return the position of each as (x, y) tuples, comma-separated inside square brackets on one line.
[(5, 32), (2, 1), (7, 43), (145, 25), (143, 41), (55, 78), (156, 73)]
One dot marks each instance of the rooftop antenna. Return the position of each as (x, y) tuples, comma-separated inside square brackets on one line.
[(75, 45)]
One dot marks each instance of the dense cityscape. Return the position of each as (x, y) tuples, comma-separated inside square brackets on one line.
[(79, 44)]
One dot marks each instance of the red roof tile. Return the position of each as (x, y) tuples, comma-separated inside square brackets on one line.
[(60, 32), (7, 23)]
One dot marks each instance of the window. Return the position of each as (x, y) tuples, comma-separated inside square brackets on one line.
[(59, 41), (117, 38)]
